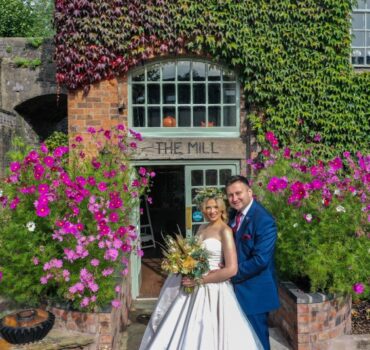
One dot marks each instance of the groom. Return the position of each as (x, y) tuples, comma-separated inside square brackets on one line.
[(255, 236)]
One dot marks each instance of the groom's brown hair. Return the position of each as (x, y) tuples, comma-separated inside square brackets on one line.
[(236, 178)]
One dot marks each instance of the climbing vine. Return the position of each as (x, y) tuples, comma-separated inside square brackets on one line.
[(292, 56)]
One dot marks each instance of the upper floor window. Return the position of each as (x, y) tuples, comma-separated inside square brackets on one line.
[(184, 95), (361, 34)]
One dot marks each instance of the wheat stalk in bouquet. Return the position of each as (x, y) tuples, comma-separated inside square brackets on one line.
[(185, 256)]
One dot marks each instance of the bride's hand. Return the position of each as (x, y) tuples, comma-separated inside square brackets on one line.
[(188, 282)]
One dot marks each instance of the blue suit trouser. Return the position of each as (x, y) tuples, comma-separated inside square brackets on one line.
[(260, 326)]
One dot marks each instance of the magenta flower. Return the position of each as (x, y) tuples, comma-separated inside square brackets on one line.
[(102, 186), (113, 217), (42, 211), (78, 138), (15, 166), (358, 288), (14, 203), (43, 188), (91, 130), (43, 148), (49, 161), (1, 275), (133, 145)]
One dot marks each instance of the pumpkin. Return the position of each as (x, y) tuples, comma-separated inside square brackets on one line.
[(169, 121)]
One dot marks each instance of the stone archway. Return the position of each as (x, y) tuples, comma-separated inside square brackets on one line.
[(45, 114)]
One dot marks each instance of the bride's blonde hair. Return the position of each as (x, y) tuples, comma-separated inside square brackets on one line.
[(221, 206)]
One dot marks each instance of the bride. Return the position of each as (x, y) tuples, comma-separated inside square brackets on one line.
[(209, 318)]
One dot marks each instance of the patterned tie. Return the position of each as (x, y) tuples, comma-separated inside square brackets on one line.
[(237, 221)]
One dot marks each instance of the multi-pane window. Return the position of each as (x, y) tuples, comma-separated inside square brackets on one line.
[(361, 34), (184, 94)]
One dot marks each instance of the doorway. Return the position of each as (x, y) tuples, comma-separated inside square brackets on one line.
[(173, 210)]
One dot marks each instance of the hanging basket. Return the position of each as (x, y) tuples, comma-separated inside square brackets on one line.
[(26, 326)]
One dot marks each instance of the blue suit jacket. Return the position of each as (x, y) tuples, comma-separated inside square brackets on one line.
[(255, 282)]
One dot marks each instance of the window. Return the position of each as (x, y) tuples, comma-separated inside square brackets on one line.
[(361, 34), (184, 95)]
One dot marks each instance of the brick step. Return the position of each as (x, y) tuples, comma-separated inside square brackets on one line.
[(351, 342)]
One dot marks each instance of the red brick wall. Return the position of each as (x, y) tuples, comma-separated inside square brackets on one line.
[(310, 320), (107, 326), (100, 108)]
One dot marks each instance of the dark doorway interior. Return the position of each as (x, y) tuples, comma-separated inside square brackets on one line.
[(167, 212)]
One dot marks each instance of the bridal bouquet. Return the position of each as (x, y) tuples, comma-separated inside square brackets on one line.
[(185, 255)]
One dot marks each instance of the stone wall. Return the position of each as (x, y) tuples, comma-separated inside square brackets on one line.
[(311, 320)]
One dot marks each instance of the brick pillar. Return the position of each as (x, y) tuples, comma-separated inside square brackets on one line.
[(103, 107)]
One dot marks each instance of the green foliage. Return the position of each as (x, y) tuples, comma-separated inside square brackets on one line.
[(65, 226), (324, 237), (20, 18), (293, 58), (8, 49), (18, 149), (35, 42), (56, 139), (27, 63)]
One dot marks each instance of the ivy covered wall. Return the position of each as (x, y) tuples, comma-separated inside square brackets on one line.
[(293, 57)]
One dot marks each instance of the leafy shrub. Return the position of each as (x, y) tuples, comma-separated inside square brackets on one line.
[(322, 212)]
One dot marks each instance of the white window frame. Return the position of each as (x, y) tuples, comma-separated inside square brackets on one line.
[(189, 131), (361, 51)]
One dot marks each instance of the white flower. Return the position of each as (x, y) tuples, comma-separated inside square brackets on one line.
[(308, 217), (1, 192), (295, 225), (340, 209), (31, 226), (337, 192)]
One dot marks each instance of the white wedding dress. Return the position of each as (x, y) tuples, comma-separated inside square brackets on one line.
[(210, 318)]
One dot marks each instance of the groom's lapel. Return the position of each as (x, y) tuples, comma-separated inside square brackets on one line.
[(247, 219)]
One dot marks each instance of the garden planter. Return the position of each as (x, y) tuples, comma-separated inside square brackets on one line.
[(26, 326), (311, 320), (106, 326)]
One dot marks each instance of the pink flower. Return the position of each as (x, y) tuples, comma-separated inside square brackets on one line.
[(358, 288), (317, 138), (91, 130), (1, 275), (66, 275), (308, 217), (107, 272), (111, 254), (133, 145), (43, 280), (35, 260), (78, 138), (95, 262), (120, 127), (117, 289), (116, 303), (85, 302)]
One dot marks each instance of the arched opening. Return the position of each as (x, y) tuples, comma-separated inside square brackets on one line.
[(45, 114)]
